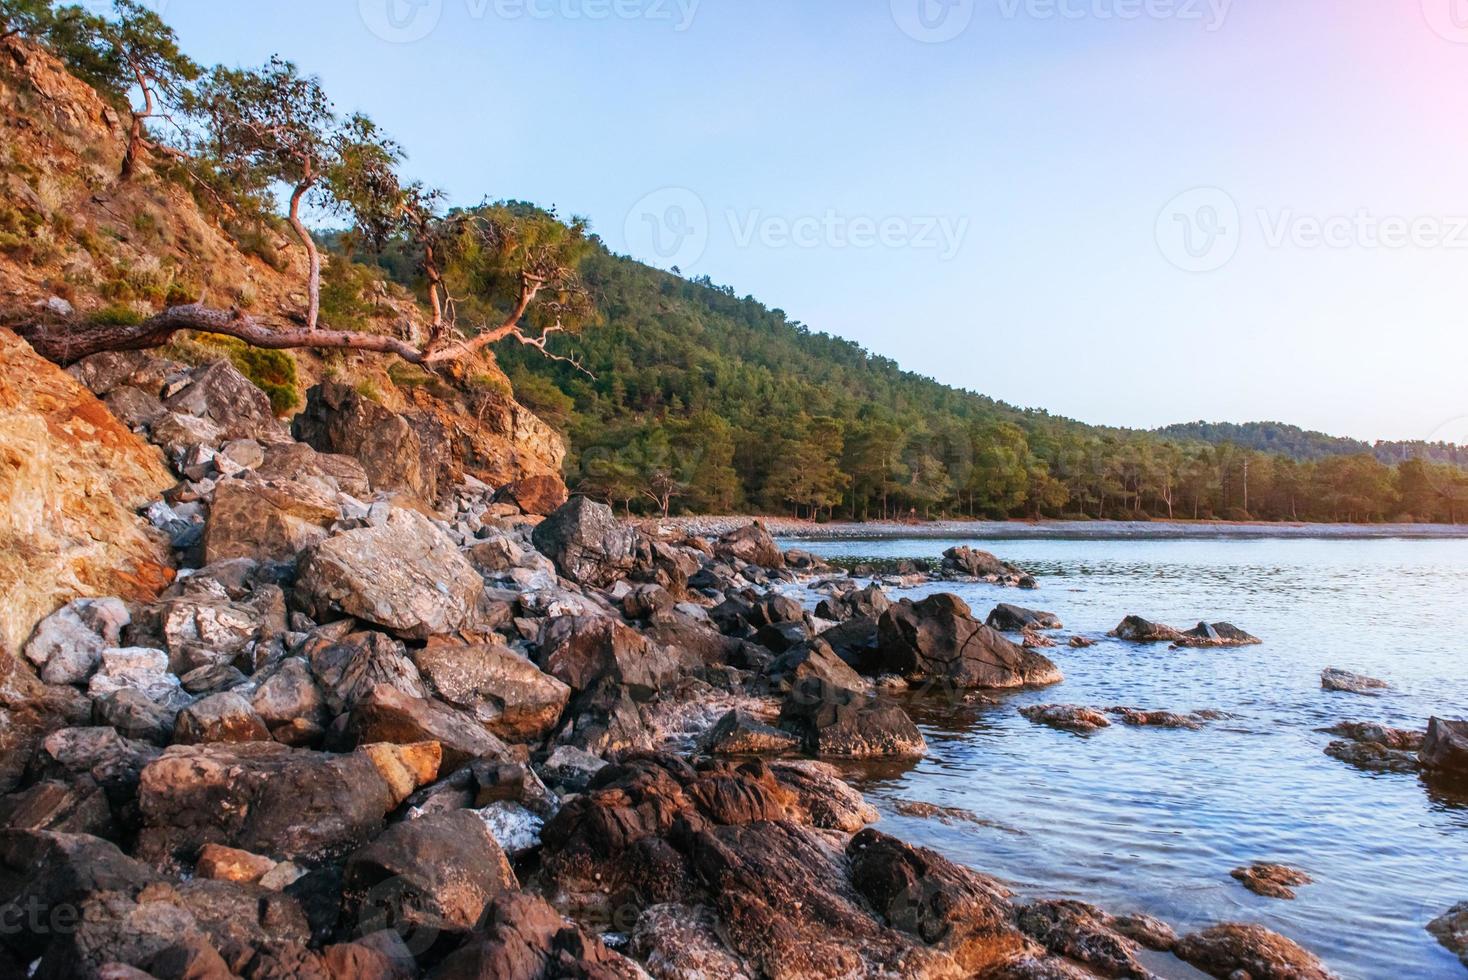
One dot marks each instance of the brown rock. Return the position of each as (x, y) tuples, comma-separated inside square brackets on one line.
[(842, 723), (436, 873), (924, 894), (541, 495), (1451, 929), (582, 650), (1068, 717), (231, 864), (388, 715), (1233, 950), (1445, 748), (349, 667), (505, 692), (1271, 880), (405, 768), (267, 521), (752, 544), (1082, 933), (225, 717), (740, 733), (72, 478), (524, 937), (261, 797), (338, 419)]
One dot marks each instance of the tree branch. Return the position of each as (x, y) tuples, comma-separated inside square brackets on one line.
[(68, 342)]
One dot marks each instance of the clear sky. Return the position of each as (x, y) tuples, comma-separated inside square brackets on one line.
[(1132, 212)]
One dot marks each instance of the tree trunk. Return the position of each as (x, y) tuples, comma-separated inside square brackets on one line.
[(313, 282)]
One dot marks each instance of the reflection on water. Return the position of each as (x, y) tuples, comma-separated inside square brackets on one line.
[(1153, 820)]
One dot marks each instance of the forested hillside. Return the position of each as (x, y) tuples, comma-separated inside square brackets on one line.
[(708, 402)]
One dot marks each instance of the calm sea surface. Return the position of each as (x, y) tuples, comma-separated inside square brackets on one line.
[(1153, 820)]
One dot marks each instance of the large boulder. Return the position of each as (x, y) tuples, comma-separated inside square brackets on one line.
[(350, 667), (218, 392), (67, 645), (540, 495), (582, 650), (72, 479), (938, 638), (388, 715), (339, 419), (751, 544), (502, 690), (425, 876), (838, 722), (588, 544), (924, 894), (406, 576), (1445, 749), (266, 520), (262, 797)]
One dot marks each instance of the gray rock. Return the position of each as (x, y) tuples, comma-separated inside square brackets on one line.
[(219, 393), (266, 520), (67, 645), (588, 544), (939, 638), (406, 576), (1334, 679), (349, 668)]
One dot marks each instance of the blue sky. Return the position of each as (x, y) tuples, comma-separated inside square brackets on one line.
[(1132, 212)]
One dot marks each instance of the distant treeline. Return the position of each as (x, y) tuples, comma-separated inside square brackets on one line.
[(1304, 445), (707, 402)]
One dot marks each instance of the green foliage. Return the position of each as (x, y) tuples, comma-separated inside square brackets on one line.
[(116, 315), (345, 286), (272, 371)]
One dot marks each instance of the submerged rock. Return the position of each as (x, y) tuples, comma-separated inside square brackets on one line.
[(1069, 717), (1013, 619), (1271, 880), (1135, 629), (1234, 950), (1334, 679), (1451, 930)]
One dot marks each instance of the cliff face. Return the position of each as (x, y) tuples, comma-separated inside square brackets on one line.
[(73, 235), (71, 479)]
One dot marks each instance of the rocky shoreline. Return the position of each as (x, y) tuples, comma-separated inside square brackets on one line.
[(379, 726), (785, 527)]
